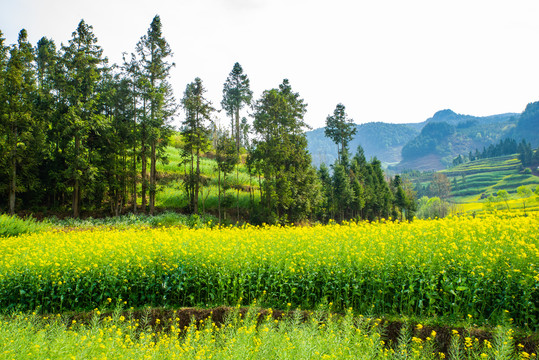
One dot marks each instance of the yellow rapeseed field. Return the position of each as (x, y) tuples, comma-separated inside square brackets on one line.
[(453, 267)]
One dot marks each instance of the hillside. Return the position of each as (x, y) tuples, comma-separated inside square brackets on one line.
[(383, 140), (428, 145), (171, 194), (447, 134), (528, 125), (482, 178), (472, 183)]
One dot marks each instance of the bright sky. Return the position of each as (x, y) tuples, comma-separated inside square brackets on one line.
[(386, 60)]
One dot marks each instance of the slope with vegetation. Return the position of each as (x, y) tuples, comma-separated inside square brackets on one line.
[(447, 134), (381, 140)]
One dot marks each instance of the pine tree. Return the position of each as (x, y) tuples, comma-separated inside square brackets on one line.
[(236, 95), (290, 191), (344, 194), (155, 67), (18, 127), (340, 129), (82, 66), (196, 134), (132, 74), (327, 193)]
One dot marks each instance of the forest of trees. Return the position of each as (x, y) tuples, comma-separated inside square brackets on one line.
[(505, 146), (80, 134)]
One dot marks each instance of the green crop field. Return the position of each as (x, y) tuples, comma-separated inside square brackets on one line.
[(479, 179)]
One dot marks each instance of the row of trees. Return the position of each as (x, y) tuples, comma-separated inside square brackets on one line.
[(77, 132), (357, 188), (506, 146), (74, 127)]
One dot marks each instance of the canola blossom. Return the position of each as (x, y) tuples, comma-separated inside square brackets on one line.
[(451, 267)]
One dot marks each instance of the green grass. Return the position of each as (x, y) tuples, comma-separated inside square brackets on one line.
[(165, 219), (12, 225), (208, 167), (171, 193), (245, 336)]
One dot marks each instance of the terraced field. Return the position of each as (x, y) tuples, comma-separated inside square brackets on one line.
[(482, 178)]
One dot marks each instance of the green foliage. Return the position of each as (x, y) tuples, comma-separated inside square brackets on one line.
[(195, 132), (503, 195), (236, 95), (251, 333), (342, 190), (432, 208), (290, 190), (12, 225), (165, 219), (525, 153), (340, 129), (524, 193), (21, 135)]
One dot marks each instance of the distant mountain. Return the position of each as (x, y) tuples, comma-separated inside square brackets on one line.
[(383, 140), (528, 125), (448, 134), (433, 143)]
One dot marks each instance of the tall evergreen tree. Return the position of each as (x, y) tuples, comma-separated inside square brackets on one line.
[(196, 134), (344, 194), (327, 205), (49, 110), (131, 70), (18, 126), (4, 174), (340, 129), (236, 95), (290, 190), (155, 66), (82, 68)]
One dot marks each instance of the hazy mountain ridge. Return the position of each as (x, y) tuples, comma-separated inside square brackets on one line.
[(433, 143), (383, 140)]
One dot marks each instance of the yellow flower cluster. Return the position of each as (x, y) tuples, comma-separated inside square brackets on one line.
[(455, 266)]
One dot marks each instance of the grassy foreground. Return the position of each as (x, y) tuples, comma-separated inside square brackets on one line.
[(243, 337), (452, 268)]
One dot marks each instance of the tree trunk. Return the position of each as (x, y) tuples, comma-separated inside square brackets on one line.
[(192, 183), (153, 177), (143, 171), (238, 130), (13, 185), (197, 182), (134, 151), (76, 186), (219, 197)]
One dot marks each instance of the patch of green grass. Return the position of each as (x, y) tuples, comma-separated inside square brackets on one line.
[(12, 225), (165, 219), (251, 334)]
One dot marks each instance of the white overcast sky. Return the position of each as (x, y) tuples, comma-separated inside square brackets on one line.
[(385, 60)]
